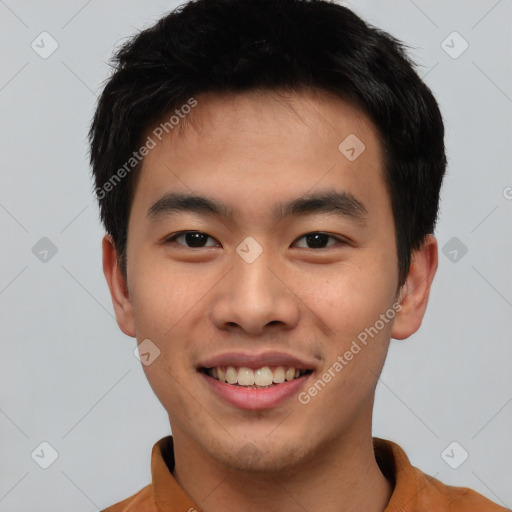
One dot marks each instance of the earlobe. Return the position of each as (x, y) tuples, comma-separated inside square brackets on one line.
[(415, 292), (118, 287)]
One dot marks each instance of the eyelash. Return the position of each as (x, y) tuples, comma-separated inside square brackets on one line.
[(172, 239)]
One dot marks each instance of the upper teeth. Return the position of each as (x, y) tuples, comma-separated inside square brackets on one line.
[(264, 376)]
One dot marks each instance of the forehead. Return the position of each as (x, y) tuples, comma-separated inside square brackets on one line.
[(266, 112), (265, 146)]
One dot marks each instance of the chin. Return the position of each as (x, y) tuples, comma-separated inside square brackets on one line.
[(262, 456)]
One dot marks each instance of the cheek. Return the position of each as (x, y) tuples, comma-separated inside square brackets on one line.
[(352, 297), (163, 304), (357, 348), (168, 303), (162, 294)]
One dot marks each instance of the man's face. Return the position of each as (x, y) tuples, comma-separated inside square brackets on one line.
[(212, 300)]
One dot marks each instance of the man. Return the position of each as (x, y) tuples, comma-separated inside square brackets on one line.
[(268, 174)]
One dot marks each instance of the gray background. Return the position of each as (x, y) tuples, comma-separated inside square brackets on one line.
[(69, 376)]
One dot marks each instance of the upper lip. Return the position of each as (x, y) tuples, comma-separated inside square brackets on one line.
[(248, 360)]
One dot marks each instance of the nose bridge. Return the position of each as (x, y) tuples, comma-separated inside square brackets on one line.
[(252, 297), (254, 280)]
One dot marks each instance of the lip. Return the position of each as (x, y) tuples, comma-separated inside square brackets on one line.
[(254, 361), (255, 399)]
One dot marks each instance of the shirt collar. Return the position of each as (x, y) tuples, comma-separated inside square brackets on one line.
[(406, 480), (168, 494)]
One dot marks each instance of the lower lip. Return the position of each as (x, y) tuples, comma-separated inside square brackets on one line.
[(255, 399)]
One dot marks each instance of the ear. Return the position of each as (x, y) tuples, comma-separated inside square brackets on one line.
[(118, 287), (416, 290)]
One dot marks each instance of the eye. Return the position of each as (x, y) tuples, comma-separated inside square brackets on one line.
[(319, 240), (198, 240), (194, 239)]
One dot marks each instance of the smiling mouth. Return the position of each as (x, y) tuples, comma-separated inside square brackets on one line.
[(257, 378)]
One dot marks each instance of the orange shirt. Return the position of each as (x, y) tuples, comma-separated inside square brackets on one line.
[(414, 491)]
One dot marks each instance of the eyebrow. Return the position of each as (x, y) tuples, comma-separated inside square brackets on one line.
[(343, 204)]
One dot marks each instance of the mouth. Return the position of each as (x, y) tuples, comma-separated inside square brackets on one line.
[(256, 381), (255, 378)]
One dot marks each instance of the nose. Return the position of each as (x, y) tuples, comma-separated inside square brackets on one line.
[(255, 297)]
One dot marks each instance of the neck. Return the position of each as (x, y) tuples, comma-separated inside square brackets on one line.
[(343, 476)]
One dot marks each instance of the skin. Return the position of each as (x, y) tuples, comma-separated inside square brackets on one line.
[(251, 151)]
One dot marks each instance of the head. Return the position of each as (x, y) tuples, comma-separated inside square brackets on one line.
[(320, 149)]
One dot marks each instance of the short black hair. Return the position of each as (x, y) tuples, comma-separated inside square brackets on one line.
[(232, 46)]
